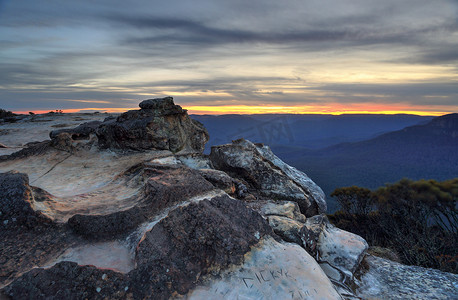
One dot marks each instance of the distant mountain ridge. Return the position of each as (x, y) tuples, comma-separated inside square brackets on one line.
[(428, 151), (344, 150), (303, 131)]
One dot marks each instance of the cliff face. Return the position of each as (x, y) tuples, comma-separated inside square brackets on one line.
[(131, 208)]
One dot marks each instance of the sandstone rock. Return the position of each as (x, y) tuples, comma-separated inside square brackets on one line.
[(271, 270), (242, 159), (287, 209), (195, 161), (28, 238), (67, 280), (31, 149), (341, 249), (338, 252), (165, 186), (300, 178), (219, 179), (310, 233), (192, 241), (385, 279), (16, 201), (159, 124), (288, 229), (82, 132)]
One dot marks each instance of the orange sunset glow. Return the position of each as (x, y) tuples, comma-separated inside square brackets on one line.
[(336, 109)]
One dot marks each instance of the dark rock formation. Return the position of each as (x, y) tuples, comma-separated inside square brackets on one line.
[(28, 238), (219, 179), (30, 149), (67, 280), (310, 233), (16, 201), (159, 124), (82, 132), (267, 176), (193, 241), (165, 187)]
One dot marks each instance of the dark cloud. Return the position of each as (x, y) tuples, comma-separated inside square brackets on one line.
[(192, 32), (238, 52)]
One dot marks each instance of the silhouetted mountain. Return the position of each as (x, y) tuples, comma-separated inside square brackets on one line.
[(427, 151), (302, 131)]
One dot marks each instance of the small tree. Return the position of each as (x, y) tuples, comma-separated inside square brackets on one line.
[(354, 200)]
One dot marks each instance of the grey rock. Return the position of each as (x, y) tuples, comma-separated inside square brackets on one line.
[(385, 279), (191, 242), (310, 233), (16, 197), (341, 249), (287, 209), (266, 175), (81, 132), (160, 125), (288, 229), (219, 179), (160, 104)]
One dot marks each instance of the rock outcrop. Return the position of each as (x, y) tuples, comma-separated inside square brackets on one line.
[(16, 201), (267, 176), (164, 187), (159, 124), (130, 208)]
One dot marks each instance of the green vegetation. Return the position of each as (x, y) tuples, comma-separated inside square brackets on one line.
[(416, 219)]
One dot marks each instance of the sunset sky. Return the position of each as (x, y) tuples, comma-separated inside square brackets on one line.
[(328, 56)]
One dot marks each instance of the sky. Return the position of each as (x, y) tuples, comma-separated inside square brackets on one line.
[(231, 56)]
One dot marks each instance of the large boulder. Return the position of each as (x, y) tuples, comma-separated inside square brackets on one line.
[(159, 124), (267, 175)]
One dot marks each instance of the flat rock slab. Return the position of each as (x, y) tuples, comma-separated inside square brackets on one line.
[(37, 128), (386, 279)]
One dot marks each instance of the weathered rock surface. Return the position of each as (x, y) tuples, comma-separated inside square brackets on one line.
[(190, 242), (159, 124), (288, 209), (165, 186), (16, 201), (271, 270), (338, 252), (68, 280), (81, 132), (219, 179), (28, 238), (288, 229), (245, 160), (159, 224), (340, 249), (385, 279)]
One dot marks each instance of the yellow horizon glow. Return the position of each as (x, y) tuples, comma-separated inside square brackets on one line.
[(331, 109)]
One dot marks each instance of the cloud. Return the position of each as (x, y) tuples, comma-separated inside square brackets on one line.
[(208, 51)]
